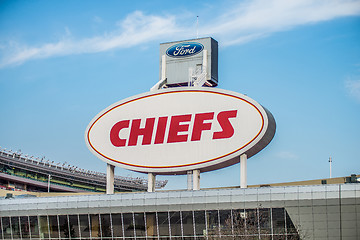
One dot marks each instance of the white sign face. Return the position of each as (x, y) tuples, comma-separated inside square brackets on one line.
[(173, 131)]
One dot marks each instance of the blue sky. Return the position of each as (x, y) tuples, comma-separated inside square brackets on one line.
[(63, 62)]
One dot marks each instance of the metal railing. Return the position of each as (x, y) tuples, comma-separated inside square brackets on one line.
[(71, 173)]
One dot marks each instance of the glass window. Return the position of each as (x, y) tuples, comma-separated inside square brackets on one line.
[(95, 226), (6, 228), (187, 221), (44, 228), (265, 221), (74, 226), (212, 218), (1, 229), (151, 225), (163, 223), (175, 223), (239, 218), (84, 225), (64, 226), (200, 226), (105, 226), (128, 224), (15, 227), (139, 224), (290, 228), (117, 225), (226, 223), (278, 219), (252, 227), (54, 227), (34, 226), (24, 226)]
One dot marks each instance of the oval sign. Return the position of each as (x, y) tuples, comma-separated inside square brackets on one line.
[(186, 49), (180, 129)]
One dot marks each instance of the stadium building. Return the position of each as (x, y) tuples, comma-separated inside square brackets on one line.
[(21, 172)]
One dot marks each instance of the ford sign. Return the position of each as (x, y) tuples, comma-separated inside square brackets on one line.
[(175, 130), (186, 49)]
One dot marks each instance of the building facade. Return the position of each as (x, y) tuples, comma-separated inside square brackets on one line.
[(296, 212)]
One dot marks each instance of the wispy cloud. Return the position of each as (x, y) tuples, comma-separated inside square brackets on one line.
[(286, 155), (135, 29), (256, 19), (353, 88), (243, 23)]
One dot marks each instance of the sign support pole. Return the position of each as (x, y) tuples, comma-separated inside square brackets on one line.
[(196, 179), (243, 170), (110, 169), (151, 182), (189, 180)]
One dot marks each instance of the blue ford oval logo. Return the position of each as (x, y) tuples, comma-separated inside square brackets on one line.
[(186, 49)]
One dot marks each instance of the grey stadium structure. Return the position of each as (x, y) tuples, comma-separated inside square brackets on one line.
[(327, 210)]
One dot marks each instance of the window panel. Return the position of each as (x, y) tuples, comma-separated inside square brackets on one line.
[(105, 226), (44, 228), (64, 226), (290, 228), (24, 226), (15, 227), (239, 222), (151, 225), (200, 226), (278, 220), (252, 227), (74, 226), (34, 226), (212, 218), (6, 227), (84, 225), (225, 222), (54, 227), (95, 226), (139, 224), (175, 223), (265, 221), (163, 222), (128, 224), (117, 225), (1, 229), (187, 220)]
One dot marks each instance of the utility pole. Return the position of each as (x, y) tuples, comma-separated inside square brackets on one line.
[(49, 177)]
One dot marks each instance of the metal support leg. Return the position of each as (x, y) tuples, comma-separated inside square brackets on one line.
[(189, 180), (110, 169), (243, 170), (151, 182), (196, 179)]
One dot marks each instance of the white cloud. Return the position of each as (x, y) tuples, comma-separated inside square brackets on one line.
[(353, 87), (255, 19), (136, 29), (240, 24)]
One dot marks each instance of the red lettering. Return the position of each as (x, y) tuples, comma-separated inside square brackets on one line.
[(160, 131), (200, 126), (178, 129), (136, 131), (175, 128), (115, 131), (227, 128)]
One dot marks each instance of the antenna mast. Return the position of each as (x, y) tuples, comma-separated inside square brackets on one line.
[(197, 26)]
